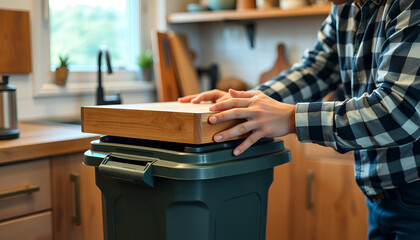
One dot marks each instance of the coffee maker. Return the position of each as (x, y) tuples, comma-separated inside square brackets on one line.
[(8, 115)]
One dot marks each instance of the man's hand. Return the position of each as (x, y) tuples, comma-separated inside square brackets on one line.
[(265, 117), (213, 96)]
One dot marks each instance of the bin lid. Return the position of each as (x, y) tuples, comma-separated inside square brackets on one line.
[(184, 161)]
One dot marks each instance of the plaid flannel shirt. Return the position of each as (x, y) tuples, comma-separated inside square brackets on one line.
[(374, 52)]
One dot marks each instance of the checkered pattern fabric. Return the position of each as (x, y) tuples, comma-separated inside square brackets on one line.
[(374, 52)]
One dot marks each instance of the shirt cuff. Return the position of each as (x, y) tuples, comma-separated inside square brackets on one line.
[(315, 123)]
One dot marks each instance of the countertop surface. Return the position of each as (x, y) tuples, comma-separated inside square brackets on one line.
[(44, 140)]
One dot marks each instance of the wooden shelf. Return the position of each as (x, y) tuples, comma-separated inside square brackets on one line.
[(232, 15)]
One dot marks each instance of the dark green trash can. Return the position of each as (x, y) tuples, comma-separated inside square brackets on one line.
[(169, 191)]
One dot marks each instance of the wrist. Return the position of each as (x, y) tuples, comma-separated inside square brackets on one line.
[(292, 126)]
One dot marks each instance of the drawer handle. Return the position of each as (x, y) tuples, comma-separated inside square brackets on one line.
[(309, 178), (76, 218), (20, 191)]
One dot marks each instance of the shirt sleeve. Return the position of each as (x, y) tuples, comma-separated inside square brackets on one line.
[(390, 115), (315, 76)]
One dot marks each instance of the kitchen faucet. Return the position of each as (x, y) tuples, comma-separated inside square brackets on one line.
[(100, 98)]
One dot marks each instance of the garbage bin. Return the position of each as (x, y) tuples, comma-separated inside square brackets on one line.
[(156, 190)]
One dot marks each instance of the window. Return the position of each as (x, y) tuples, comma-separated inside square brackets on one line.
[(134, 24), (78, 28)]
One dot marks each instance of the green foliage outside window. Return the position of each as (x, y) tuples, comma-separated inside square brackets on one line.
[(80, 30)]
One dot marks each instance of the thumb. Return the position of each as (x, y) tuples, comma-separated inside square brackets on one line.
[(241, 94)]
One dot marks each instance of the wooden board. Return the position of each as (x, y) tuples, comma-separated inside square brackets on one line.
[(187, 75), (170, 121), (166, 83), (279, 65), (15, 47)]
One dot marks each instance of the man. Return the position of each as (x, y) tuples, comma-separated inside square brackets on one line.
[(372, 48)]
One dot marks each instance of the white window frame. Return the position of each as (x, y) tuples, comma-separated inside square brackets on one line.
[(82, 83)]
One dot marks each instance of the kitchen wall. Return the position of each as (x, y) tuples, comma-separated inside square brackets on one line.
[(227, 45), (223, 43)]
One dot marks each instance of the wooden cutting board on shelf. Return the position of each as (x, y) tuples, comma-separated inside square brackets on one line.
[(15, 44), (166, 83), (164, 121), (279, 65), (188, 80)]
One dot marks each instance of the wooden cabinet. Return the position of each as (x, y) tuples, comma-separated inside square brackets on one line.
[(286, 197), (25, 200), (24, 188), (335, 207), (55, 197), (315, 197), (39, 172), (36, 226), (77, 209)]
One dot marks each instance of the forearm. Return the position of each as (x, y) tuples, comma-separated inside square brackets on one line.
[(371, 121)]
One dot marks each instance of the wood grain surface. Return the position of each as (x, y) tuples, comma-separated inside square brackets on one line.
[(43, 140), (15, 45), (245, 5), (166, 83), (90, 228), (169, 121), (279, 65), (32, 227), (228, 15), (187, 75), (22, 175)]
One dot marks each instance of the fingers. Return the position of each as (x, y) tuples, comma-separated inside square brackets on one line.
[(242, 94), (227, 96), (235, 106), (236, 131), (187, 99), (236, 113), (230, 103), (216, 96), (213, 96), (237, 99), (248, 142)]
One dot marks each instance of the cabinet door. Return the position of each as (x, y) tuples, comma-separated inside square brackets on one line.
[(77, 207), (335, 205), (286, 198), (337, 209)]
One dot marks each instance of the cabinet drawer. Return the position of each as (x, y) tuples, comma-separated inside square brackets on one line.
[(37, 226), (24, 188)]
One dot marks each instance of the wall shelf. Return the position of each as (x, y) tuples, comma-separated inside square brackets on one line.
[(232, 15)]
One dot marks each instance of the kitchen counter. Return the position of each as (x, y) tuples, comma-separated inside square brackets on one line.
[(44, 140)]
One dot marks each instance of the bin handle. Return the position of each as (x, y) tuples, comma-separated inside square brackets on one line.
[(133, 169)]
